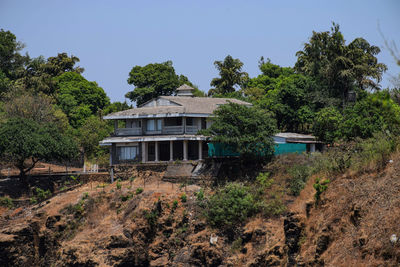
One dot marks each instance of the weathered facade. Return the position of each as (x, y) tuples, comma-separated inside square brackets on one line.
[(163, 129)]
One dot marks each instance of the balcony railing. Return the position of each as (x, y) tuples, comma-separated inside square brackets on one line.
[(166, 130), (128, 131), (172, 130), (192, 129)]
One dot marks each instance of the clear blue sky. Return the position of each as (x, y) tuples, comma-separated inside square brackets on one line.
[(110, 37)]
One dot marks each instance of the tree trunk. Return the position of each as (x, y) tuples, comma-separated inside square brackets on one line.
[(23, 178)]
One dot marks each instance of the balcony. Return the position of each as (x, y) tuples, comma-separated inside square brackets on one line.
[(165, 130), (192, 129), (172, 129), (128, 131)]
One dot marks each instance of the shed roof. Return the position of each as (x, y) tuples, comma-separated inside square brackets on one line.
[(203, 106)]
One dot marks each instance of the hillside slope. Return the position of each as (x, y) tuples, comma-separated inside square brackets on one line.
[(95, 225)]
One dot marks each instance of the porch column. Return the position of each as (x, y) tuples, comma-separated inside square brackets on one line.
[(157, 150), (312, 147), (171, 150), (144, 152), (200, 150), (115, 126), (185, 149)]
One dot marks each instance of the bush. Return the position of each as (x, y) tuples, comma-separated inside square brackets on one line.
[(42, 194), (174, 204), (299, 176), (320, 187), (183, 197), (118, 185), (200, 195), (264, 181), (230, 206), (139, 190), (6, 202), (372, 153)]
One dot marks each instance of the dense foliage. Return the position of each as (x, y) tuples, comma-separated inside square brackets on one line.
[(246, 130), (154, 80), (24, 139), (231, 74)]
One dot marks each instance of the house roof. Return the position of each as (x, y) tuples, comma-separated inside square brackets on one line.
[(184, 87), (190, 106), (297, 138)]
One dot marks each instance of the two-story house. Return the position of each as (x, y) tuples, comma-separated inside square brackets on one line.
[(164, 128)]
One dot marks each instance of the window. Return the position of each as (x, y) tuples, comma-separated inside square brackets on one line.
[(136, 124), (127, 152), (153, 125), (189, 121)]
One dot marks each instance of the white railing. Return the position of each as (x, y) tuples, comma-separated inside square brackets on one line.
[(128, 131), (172, 130), (192, 129)]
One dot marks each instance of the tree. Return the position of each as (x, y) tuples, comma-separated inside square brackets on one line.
[(37, 107), (154, 80), (231, 74), (340, 67), (24, 142), (375, 113), (91, 133), (79, 98), (40, 74), (327, 124), (246, 130), (290, 102), (11, 61)]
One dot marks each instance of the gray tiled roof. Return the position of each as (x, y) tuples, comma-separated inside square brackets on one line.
[(186, 105)]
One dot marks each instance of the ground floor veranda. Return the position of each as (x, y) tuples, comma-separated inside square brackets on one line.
[(158, 151)]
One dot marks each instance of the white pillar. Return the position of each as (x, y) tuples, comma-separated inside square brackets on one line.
[(312, 147), (200, 150), (144, 152), (171, 150), (157, 151), (185, 149)]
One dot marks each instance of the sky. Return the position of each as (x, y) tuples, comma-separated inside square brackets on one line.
[(111, 37)]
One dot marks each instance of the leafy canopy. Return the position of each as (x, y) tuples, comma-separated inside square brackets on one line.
[(246, 130), (154, 80), (231, 75), (79, 98), (340, 67), (22, 139)]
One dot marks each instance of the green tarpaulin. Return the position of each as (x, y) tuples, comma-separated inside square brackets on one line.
[(221, 150)]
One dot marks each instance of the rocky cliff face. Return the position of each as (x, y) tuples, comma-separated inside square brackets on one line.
[(106, 226)]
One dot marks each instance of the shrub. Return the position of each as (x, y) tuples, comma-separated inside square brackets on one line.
[(119, 184), (174, 204), (42, 194), (273, 206), (299, 176), (6, 202), (183, 197), (320, 187), (139, 190), (200, 195), (33, 200), (264, 181), (230, 206), (126, 197), (85, 195)]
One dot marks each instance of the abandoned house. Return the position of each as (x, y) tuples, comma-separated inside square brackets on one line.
[(163, 129)]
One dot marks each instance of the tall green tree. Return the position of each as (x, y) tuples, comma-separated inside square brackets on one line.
[(245, 130), (24, 142), (154, 80), (40, 74), (79, 98), (231, 76), (340, 67)]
